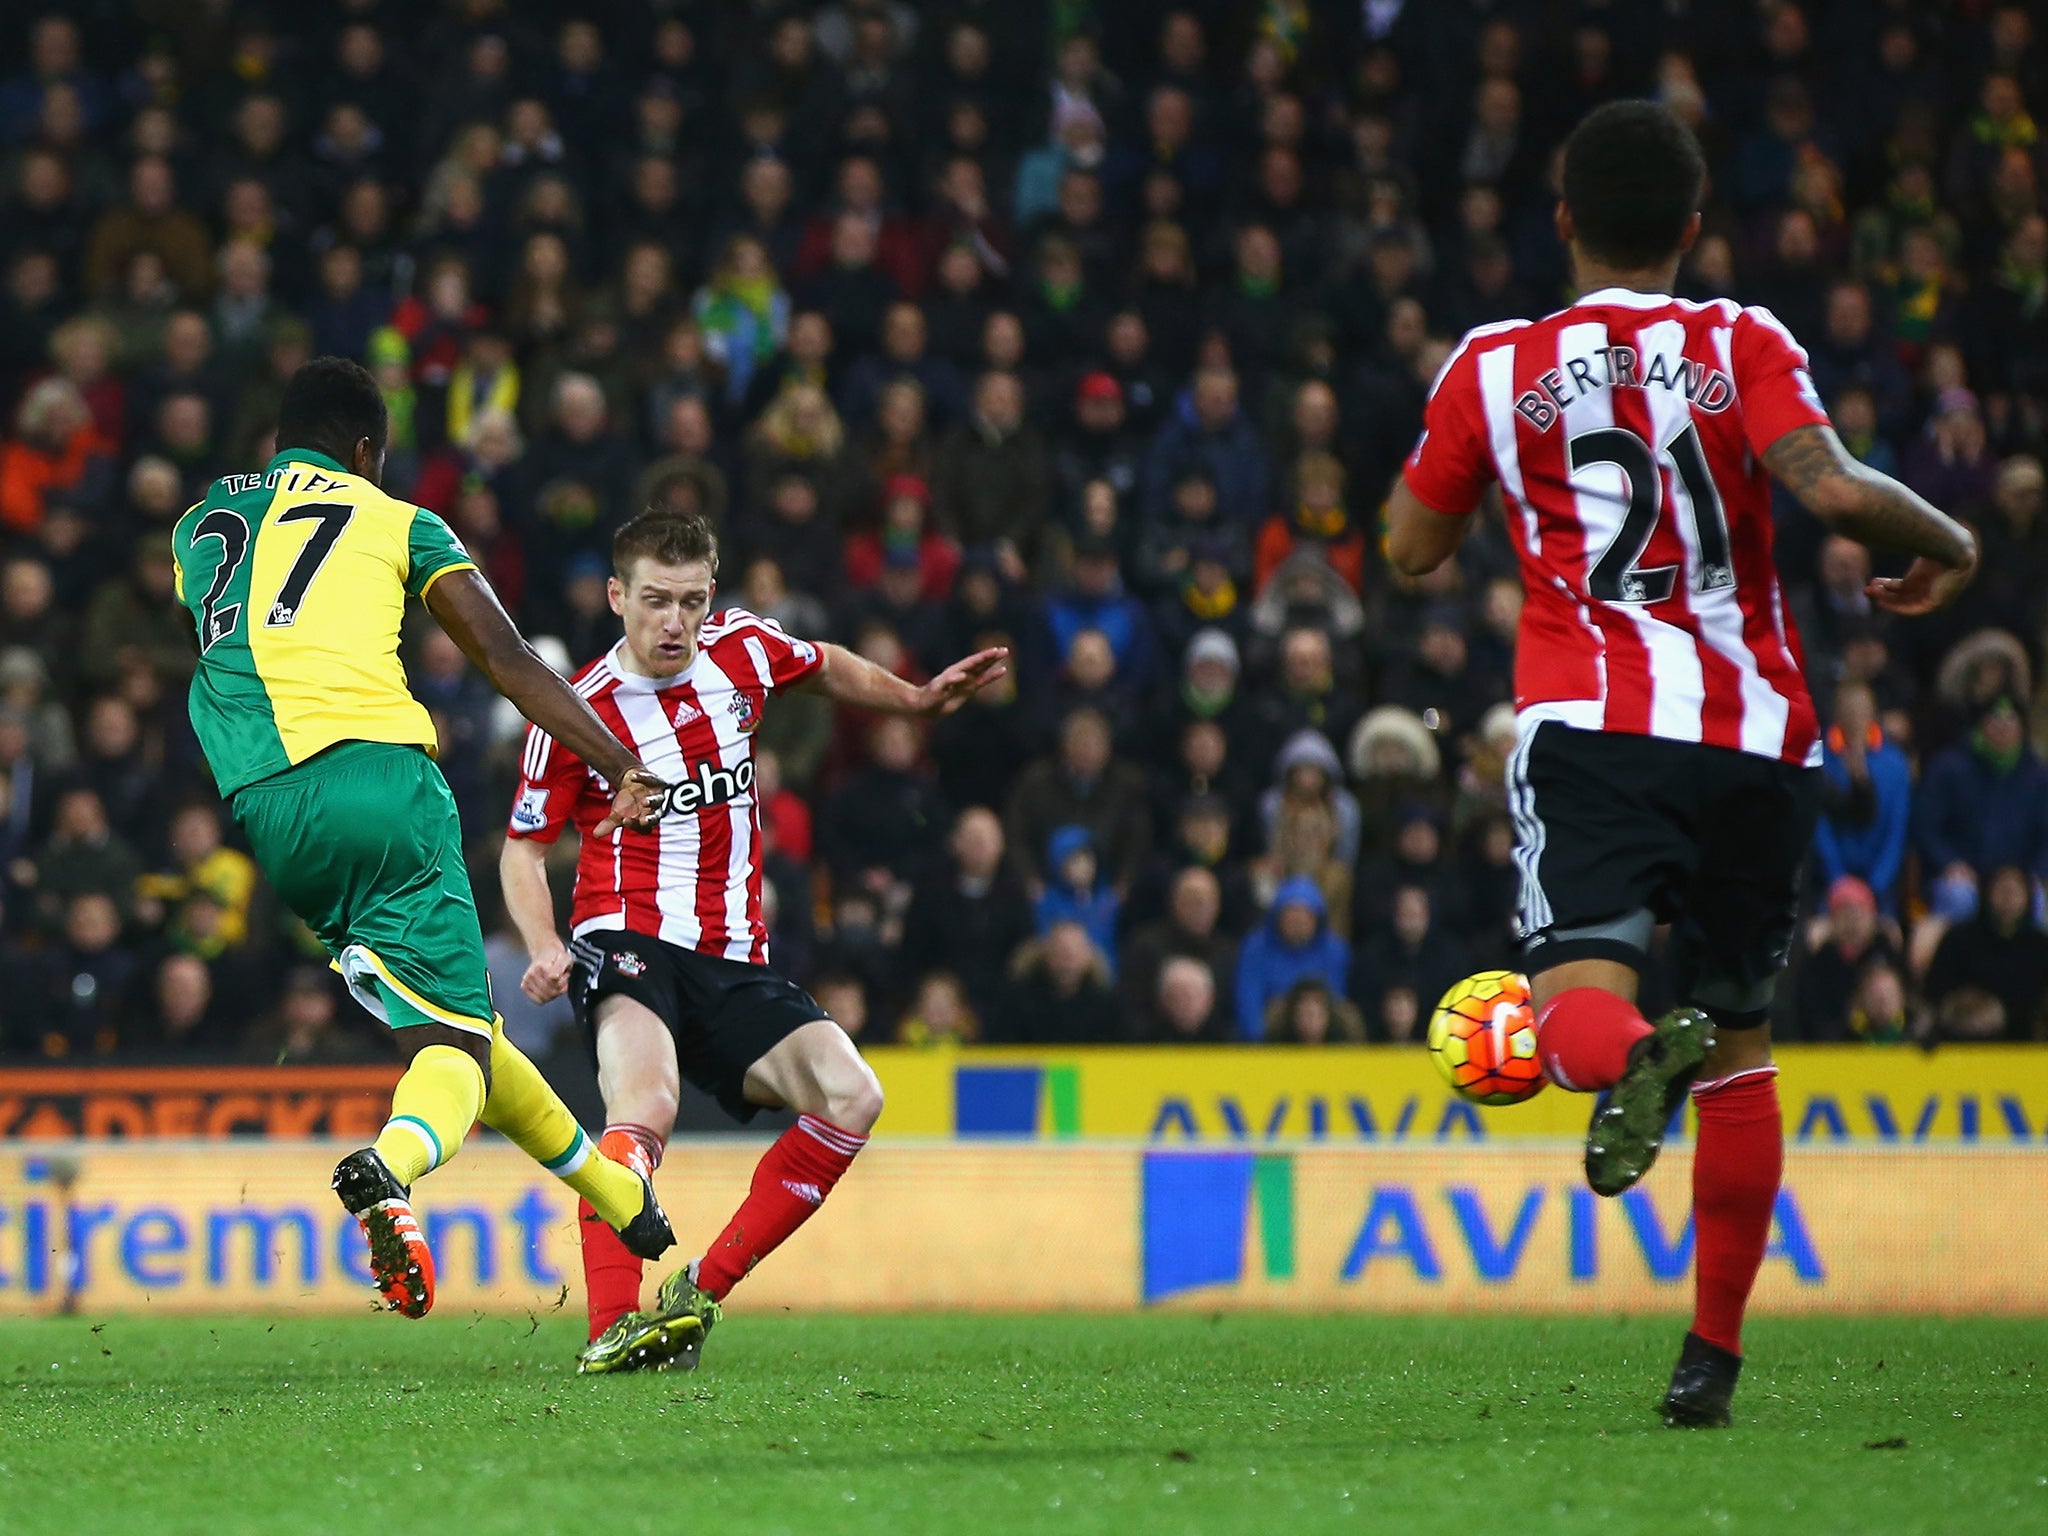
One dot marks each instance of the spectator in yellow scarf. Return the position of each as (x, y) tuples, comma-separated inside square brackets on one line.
[(206, 866), (485, 380)]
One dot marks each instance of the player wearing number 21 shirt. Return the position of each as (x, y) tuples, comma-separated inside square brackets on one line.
[(667, 960), (1664, 767)]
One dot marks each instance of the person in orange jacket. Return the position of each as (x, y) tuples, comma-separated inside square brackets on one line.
[(1318, 521), (55, 449)]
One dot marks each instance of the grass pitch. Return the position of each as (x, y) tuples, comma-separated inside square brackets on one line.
[(1124, 1425)]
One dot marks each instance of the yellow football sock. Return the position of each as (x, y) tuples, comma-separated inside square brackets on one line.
[(432, 1109), (531, 1115)]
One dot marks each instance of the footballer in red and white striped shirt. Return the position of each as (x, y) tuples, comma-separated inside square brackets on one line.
[(1626, 434), (695, 881), (1665, 765), (668, 955)]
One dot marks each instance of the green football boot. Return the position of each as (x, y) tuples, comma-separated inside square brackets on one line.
[(640, 1341), (681, 1300), (1628, 1128)]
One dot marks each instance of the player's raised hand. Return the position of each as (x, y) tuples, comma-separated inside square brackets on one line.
[(1926, 586), (641, 801), (963, 680), (547, 978)]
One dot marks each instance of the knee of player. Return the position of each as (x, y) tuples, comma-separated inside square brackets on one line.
[(648, 1101), (855, 1103)]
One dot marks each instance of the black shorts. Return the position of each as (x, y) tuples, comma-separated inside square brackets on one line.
[(1615, 833), (725, 1015)]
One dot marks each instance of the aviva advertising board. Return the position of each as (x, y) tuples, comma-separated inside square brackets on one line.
[(1169, 1096), (105, 1227), (1254, 1095)]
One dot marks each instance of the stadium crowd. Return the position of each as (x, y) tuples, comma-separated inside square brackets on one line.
[(1099, 330)]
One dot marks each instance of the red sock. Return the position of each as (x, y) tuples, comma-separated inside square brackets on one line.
[(790, 1182), (1583, 1038), (611, 1275), (1736, 1165)]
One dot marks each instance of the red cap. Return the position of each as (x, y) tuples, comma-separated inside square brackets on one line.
[(1850, 891), (899, 486), (1099, 386)]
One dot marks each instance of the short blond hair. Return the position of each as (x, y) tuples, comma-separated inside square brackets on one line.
[(41, 405)]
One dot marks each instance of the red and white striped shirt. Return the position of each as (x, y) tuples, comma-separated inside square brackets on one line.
[(1627, 434), (695, 881)]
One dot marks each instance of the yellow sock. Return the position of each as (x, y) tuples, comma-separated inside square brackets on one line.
[(432, 1109), (531, 1115)]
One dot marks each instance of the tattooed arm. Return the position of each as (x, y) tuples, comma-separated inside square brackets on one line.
[(1874, 509)]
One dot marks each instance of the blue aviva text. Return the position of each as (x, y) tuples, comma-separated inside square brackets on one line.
[(1206, 1213), (1394, 1231)]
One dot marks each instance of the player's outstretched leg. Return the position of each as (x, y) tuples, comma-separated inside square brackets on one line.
[(432, 1109), (1738, 1162), (817, 1072), (531, 1115)]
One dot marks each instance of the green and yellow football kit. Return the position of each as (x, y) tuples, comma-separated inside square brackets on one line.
[(297, 580)]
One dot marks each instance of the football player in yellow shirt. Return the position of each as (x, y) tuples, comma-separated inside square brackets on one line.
[(296, 578)]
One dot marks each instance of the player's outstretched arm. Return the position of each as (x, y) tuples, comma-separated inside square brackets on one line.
[(523, 874), (1420, 538), (1871, 508), (465, 606), (849, 678)]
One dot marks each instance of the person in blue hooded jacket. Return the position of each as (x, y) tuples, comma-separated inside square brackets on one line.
[(1867, 806), (1075, 891), (1294, 942)]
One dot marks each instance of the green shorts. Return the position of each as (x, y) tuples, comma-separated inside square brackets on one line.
[(363, 842)]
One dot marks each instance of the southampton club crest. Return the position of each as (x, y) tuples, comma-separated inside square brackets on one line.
[(745, 710)]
